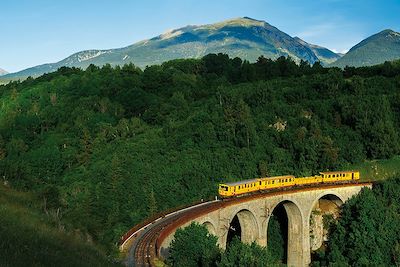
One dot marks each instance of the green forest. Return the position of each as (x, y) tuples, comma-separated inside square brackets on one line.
[(108, 147)]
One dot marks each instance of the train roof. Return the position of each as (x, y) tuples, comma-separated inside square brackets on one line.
[(242, 182), (337, 172), (249, 181), (278, 177)]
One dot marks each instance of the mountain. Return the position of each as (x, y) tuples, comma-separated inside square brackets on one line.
[(2, 72), (324, 55), (376, 49), (241, 37)]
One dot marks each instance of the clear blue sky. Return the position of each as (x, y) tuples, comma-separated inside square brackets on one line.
[(34, 32)]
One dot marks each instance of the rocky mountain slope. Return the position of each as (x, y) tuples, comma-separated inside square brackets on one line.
[(376, 49), (324, 55), (2, 72)]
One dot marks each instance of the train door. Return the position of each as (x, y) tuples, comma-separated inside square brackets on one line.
[(352, 176)]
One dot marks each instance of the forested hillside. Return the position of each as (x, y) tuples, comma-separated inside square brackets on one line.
[(30, 237), (367, 233), (109, 147)]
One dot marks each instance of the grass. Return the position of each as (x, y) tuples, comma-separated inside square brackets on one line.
[(28, 237), (377, 170)]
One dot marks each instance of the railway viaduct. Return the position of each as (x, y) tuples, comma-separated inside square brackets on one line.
[(303, 209)]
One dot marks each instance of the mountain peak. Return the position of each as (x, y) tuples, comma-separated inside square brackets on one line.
[(378, 48), (242, 37), (386, 31), (2, 72), (241, 21), (390, 33)]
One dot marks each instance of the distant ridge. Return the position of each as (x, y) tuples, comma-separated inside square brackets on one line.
[(376, 49), (246, 38), (325, 55)]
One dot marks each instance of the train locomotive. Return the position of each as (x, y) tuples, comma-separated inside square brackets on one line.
[(277, 182)]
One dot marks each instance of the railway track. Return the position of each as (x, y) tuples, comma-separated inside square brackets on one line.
[(143, 249)]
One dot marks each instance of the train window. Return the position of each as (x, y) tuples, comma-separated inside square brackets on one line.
[(260, 182), (285, 180), (273, 182)]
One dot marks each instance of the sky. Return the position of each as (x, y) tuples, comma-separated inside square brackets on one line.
[(35, 32)]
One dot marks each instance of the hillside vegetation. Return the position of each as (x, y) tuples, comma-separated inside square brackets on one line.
[(366, 233), (29, 237), (108, 147)]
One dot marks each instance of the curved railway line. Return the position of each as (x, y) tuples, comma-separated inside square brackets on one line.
[(141, 244)]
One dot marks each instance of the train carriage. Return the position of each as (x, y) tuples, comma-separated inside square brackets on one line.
[(240, 187), (309, 180), (330, 177), (277, 182)]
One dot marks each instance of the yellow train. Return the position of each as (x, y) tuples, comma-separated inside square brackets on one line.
[(257, 184)]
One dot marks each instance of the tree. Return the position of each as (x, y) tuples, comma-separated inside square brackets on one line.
[(239, 254), (367, 232), (194, 246)]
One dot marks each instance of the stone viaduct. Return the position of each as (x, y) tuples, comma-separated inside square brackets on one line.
[(303, 209)]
